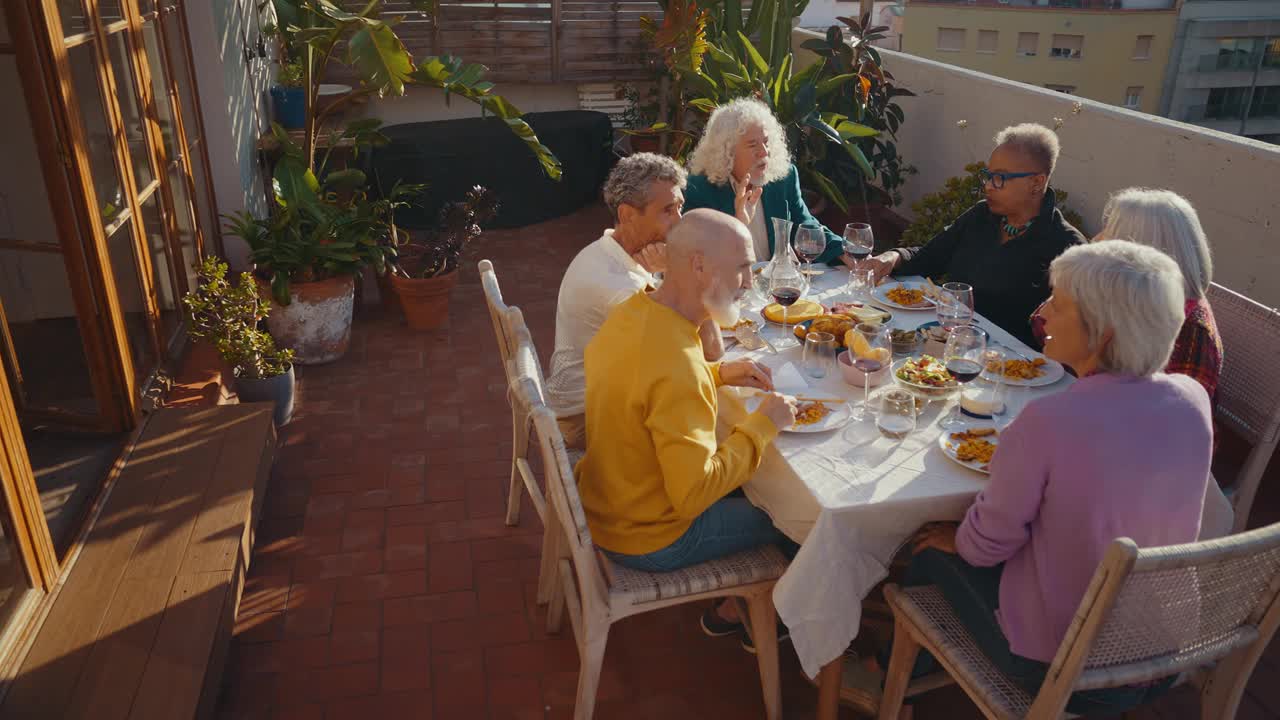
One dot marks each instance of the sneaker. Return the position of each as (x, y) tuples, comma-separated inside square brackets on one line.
[(749, 645), (715, 626)]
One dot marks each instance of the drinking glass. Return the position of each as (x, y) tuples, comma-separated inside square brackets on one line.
[(1010, 399), (955, 305), (963, 358), (858, 240), (880, 353), (781, 235), (992, 377), (897, 414), (787, 286), (861, 283), (819, 353), (810, 242)]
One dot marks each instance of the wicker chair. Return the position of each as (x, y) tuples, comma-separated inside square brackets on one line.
[(1148, 614), (598, 592), (506, 321), (1248, 401)]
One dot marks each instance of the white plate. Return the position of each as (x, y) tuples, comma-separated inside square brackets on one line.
[(888, 285), (839, 416), (946, 443), (1053, 370)]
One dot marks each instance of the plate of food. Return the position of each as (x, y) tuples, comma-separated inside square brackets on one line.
[(925, 376), (742, 323), (1027, 369), (862, 313), (813, 415), (905, 295), (972, 447), (837, 325), (799, 312)]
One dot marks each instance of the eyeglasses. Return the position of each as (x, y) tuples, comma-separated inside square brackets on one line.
[(998, 179)]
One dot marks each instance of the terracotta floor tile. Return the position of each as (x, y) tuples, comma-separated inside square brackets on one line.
[(263, 627), (325, 567), (427, 513), (406, 548), (484, 631), (398, 705), (307, 621), (382, 586), (315, 593), (264, 594), (355, 617), (449, 567), (322, 684), (349, 647), (399, 612)]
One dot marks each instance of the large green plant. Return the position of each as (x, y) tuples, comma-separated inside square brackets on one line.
[(325, 222), (227, 317), (935, 211), (870, 100)]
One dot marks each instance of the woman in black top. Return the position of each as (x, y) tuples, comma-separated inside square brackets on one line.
[(1003, 245)]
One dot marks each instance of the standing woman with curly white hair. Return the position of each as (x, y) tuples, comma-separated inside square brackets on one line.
[(742, 167)]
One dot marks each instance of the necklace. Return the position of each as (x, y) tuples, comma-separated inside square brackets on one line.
[(1013, 231)]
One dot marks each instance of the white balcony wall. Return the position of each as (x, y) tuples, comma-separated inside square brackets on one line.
[(1230, 180)]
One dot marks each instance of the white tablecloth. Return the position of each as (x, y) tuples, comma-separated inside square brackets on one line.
[(851, 497)]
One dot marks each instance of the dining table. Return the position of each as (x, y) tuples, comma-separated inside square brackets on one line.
[(849, 496)]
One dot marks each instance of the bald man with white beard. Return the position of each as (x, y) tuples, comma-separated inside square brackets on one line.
[(655, 482)]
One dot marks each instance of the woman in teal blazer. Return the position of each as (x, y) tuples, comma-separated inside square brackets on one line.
[(742, 167)]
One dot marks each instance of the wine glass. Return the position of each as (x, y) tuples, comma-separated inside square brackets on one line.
[(963, 358), (955, 305), (787, 286), (877, 352), (897, 415), (810, 242), (858, 240)]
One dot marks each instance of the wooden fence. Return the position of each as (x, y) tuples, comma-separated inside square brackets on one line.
[(536, 42)]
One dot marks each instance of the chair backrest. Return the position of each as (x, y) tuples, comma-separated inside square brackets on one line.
[(1248, 401), (523, 360), (562, 496), (1155, 612), (499, 311), (1249, 389)]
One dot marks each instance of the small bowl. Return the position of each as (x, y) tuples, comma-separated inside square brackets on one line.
[(908, 347), (856, 377), (928, 392)]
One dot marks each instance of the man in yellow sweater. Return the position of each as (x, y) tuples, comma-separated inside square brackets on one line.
[(654, 479)]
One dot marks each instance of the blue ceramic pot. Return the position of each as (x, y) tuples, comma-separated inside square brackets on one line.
[(290, 105)]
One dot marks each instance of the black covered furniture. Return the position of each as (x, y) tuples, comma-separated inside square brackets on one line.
[(450, 156)]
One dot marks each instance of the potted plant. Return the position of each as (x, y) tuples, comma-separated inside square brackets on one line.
[(288, 98), (324, 228), (226, 316), (425, 271)]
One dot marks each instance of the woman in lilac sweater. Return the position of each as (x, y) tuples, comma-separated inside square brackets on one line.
[(1124, 452)]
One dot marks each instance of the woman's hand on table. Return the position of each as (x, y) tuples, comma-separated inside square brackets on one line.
[(882, 264), (939, 536), (746, 373)]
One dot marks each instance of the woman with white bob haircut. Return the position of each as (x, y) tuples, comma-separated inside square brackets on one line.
[(1123, 452), (1165, 221), (741, 167)]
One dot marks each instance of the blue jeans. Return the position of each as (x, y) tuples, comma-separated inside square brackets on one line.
[(732, 524), (974, 595)]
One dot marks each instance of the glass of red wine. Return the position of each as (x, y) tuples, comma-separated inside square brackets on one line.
[(810, 242), (877, 353), (786, 285), (963, 358), (858, 244)]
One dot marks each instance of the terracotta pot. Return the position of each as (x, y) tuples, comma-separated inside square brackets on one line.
[(425, 301), (316, 323), (645, 143)]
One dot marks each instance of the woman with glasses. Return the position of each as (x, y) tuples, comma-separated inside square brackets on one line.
[(1002, 246)]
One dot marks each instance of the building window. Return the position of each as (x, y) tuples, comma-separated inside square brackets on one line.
[(1271, 53), (1067, 47), (1225, 103), (1068, 89), (1142, 48), (1133, 98), (951, 39), (1266, 102), (988, 40), (1027, 44)]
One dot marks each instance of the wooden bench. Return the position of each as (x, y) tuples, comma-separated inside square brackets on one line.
[(141, 626)]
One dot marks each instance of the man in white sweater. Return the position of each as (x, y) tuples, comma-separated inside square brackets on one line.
[(645, 193)]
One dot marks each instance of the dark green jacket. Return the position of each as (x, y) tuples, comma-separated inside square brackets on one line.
[(780, 199)]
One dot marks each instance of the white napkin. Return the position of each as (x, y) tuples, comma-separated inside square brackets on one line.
[(788, 381)]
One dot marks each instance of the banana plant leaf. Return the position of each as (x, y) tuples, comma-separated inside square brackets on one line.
[(383, 61)]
